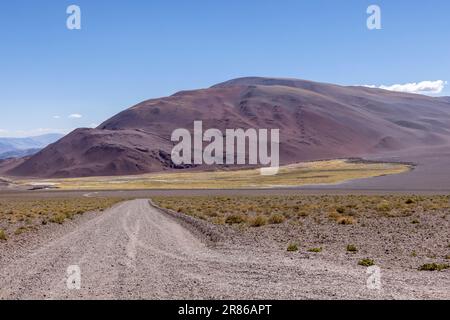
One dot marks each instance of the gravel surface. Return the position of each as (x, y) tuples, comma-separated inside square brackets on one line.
[(136, 251)]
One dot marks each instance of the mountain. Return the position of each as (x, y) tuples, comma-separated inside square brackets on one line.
[(19, 153), (446, 99), (316, 121), (20, 147)]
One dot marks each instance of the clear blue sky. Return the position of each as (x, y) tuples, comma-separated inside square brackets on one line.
[(129, 51)]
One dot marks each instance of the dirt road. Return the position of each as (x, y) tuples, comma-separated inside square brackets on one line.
[(134, 251)]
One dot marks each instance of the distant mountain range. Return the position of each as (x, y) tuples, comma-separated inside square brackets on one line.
[(21, 147), (316, 121)]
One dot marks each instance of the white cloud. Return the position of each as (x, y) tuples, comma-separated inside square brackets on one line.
[(75, 116), (56, 117), (423, 87)]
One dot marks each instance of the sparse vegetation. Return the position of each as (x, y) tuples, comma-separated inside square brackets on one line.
[(344, 210), (315, 250), (352, 248), (292, 247), (434, 267), (20, 215), (366, 262)]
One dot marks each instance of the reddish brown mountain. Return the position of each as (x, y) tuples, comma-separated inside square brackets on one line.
[(316, 121)]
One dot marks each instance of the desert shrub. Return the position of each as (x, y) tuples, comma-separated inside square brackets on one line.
[(366, 262), (3, 236), (58, 218), (20, 230), (433, 267), (346, 220), (340, 210), (384, 206), (276, 218), (352, 248), (316, 250), (258, 221), (234, 219), (292, 247)]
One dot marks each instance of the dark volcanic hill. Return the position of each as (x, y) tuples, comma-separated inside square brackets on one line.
[(316, 121)]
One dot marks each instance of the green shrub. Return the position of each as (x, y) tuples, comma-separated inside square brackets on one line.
[(434, 267), (292, 247), (317, 250), (366, 262), (352, 248)]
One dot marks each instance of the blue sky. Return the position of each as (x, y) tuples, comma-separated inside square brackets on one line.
[(129, 51)]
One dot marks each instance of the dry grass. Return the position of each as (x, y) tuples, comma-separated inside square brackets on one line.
[(19, 215), (319, 172), (261, 210)]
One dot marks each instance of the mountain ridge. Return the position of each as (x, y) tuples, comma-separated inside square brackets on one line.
[(316, 121)]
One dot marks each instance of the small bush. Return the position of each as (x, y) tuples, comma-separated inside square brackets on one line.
[(340, 210), (58, 218), (316, 250), (352, 248), (434, 267), (415, 221), (3, 236), (234, 219), (345, 220), (292, 247), (258, 221), (276, 218), (384, 206), (409, 201), (366, 262), (20, 230)]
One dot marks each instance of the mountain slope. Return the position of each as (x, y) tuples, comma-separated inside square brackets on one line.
[(316, 121), (19, 147)]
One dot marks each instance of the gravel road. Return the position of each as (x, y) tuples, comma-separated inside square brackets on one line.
[(135, 251)]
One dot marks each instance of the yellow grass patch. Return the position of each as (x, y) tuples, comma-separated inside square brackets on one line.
[(308, 173)]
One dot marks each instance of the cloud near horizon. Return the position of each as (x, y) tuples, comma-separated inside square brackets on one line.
[(75, 116), (423, 87)]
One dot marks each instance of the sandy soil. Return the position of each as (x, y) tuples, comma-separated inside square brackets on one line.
[(135, 251)]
